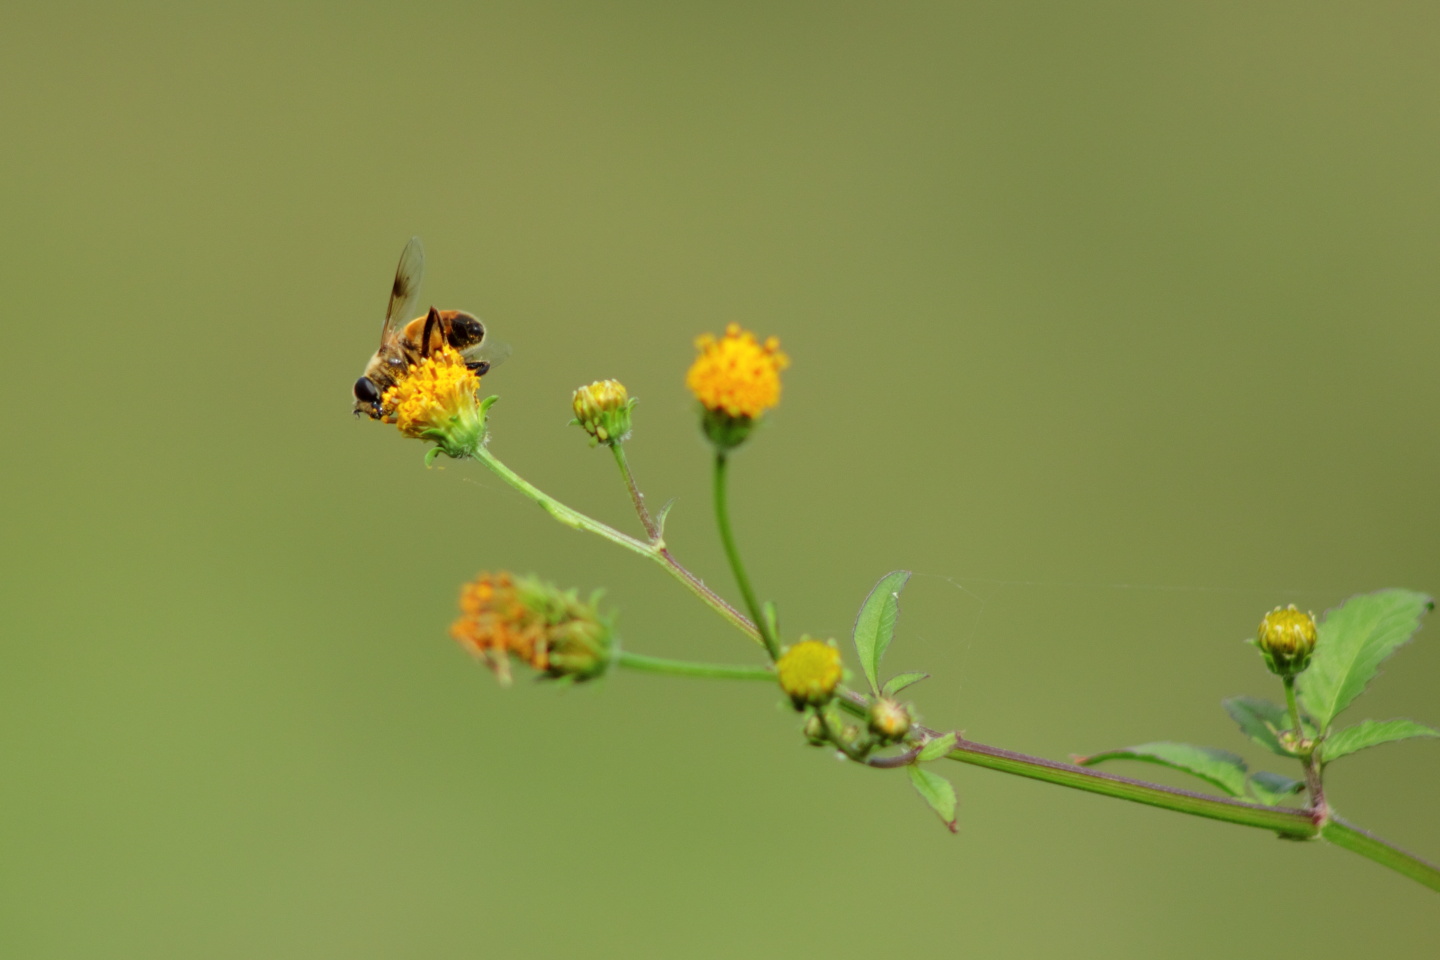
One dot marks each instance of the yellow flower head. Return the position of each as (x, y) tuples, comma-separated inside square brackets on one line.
[(1287, 639), (809, 672), (535, 622), (736, 374), (435, 400)]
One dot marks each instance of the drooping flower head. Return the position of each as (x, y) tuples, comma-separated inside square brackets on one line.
[(736, 379), (435, 400), (552, 630)]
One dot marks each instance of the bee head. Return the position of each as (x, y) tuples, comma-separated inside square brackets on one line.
[(465, 331)]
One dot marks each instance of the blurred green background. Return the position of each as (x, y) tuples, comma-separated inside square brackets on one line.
[(1115, 322)]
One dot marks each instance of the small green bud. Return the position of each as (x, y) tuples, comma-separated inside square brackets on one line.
[(815, 731), (1287, 638)]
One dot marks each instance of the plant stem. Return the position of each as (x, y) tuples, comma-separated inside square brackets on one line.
[(1314, 775), (1294, 708), (652, 529), (722, 519), (1386, 854), (654, 551), (684, 668)]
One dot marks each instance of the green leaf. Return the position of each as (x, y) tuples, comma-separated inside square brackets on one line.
[(1219, 767), (1369, 733), (937, 792), (936, 748), (1261, 721), (875, 624), (660, 517), (1354, 639), (1271, 788), (900, 681)]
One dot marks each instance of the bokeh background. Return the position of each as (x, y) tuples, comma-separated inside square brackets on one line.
[(1116, 322)]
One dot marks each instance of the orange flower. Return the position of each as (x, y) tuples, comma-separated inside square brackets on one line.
[(435, 400), (535, 622), (736, 374)]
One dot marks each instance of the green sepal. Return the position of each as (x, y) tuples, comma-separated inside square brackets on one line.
[(875, 623), (1220, 768), (938, 792), (1272, 788), (1355, 639), (1370, 733), (936, 748), (900, 681), (1264, 722)]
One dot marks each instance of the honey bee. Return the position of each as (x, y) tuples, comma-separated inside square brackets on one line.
[(404, 343)]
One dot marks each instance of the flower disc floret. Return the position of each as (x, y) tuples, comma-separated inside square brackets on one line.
[(736, 374), (435, 400), (603, 410), (809, 673), (1287, 639)]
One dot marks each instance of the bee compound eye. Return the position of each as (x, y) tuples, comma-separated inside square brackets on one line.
[(365, 391)]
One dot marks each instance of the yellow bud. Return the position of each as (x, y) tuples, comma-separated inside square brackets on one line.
[(889, 720), (1287, 639), (809, 672), (603, 411)]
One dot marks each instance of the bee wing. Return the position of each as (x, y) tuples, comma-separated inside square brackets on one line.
[(490, 350), (405, 288)]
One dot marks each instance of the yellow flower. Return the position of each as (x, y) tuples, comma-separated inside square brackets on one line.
[(435, 400), (603, 411), (809, 672), (1287, 639), (535, 622), (736, 374)]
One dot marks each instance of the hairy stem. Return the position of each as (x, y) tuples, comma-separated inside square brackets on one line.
[(652, 529)]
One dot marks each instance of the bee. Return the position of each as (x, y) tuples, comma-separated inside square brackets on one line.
[(404, 343)]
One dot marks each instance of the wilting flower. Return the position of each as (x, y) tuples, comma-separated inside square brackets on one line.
[(736, 379), (435, 400), (1287, 639), (809, 672), (603, 411), (552, 630)]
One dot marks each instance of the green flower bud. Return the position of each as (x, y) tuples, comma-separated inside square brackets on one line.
[(1287, 638)]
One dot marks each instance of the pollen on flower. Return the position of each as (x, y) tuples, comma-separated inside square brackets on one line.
[(736, 374), (809, 672), (435, 400), (551, 630)]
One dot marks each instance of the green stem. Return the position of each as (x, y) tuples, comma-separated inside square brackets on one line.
[(1294, 708), (1386, 854), (722, 519), (684, 668), (654, 551), (652, 529)]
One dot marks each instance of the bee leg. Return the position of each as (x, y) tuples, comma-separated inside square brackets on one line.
[(432, 323), (479, 367)]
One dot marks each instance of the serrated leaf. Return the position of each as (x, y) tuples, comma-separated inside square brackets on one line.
[(1271, 788), (1262, 721), (1354, 640), (1369, 733), (936, 748), (900, 681), (1218, 767), (937, 792), (875, 623)]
